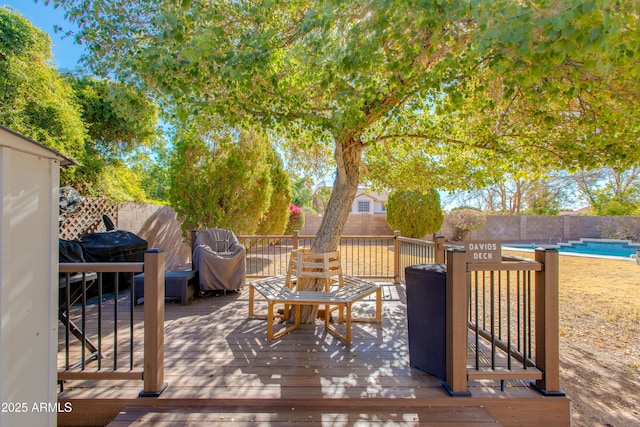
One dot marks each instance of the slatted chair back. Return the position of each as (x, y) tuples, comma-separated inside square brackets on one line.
[(305, 265)]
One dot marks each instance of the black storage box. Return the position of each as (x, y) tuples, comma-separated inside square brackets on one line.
[(426, 317)]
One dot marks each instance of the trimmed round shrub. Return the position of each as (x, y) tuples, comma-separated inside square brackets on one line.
[(415, 213)]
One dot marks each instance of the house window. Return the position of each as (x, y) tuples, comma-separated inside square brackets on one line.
[(363, 206)]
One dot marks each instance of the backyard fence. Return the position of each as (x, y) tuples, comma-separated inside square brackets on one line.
[(370, 257)]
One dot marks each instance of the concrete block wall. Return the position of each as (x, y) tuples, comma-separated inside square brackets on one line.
[(159, 226), (132, 216), (357, 225), (542, 229)]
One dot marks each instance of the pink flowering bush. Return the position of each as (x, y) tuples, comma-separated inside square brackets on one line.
[(296, 219)]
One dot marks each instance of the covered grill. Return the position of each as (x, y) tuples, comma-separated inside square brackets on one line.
[(113, 246)]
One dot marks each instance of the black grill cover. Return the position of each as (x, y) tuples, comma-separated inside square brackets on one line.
[(113, 246), (70, 251)]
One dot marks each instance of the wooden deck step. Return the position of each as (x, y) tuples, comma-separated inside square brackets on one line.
[(304, 416)]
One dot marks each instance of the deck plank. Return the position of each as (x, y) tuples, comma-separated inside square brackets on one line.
[(307, 416), (214, 353)]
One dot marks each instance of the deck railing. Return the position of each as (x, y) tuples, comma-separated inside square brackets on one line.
[(104, 337), (506, 313), (417, 251), (371, 257)]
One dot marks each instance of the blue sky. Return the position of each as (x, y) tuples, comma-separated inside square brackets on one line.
[(66, 52)]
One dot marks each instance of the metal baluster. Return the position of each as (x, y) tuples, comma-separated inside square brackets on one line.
[(477, 323), (84, 319), (484, 302), (67, 309), (525, 337), (131, 298), (500, 336), (518, 297), (99, 320), (492, 320), (530, 317), (115, 323), (272, 251), (509, 320)]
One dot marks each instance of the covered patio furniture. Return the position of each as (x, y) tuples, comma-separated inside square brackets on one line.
[(220, 260)]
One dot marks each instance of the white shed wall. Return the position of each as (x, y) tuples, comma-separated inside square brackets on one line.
[(28, 283)]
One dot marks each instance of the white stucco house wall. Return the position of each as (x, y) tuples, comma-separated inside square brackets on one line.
[(29, 189), (369, 202)]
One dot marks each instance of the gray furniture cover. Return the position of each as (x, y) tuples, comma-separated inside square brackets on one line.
[(220, 260)]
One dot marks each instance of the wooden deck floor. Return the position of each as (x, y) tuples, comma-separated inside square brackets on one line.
[(217, 357)]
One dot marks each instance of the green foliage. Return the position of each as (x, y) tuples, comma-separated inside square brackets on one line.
[(152, 166), (625, 205), (296, 219), (451, 93), (121, 122), (98, 123), (119, 118), (415, 213), (302, 194), (220, 179), (465, 220), (276, 217), (611, 192), (34, 99), (119, 183), (442, 90)]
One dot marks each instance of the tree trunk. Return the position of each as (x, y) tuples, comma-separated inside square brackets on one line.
[(348, 157)]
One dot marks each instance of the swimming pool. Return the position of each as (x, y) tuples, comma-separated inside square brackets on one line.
[(596, 247)]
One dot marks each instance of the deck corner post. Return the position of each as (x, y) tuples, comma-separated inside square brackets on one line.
[(154, 383), (296, 239), (439, 251), (547, 328), (456, 323), (396, 258)]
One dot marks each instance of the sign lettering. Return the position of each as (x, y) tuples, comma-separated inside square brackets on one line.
[(483, 251)]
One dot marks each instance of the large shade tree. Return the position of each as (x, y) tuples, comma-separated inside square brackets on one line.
[(432, 89)]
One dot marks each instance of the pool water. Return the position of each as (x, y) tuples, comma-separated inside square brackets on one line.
[(600, 247)]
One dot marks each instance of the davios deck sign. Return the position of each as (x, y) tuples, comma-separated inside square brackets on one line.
[(484, 251)]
